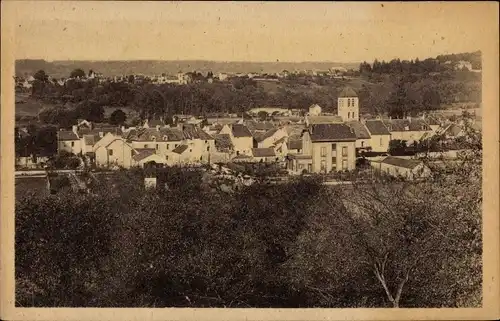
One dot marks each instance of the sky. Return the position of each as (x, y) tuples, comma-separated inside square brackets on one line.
[(244, 31)]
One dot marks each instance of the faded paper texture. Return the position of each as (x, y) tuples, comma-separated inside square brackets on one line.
[(243, 37)]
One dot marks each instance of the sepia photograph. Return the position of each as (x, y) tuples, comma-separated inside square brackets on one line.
[(264, 155)]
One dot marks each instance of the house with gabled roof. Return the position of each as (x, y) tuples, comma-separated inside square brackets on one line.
[(113, 151), (147, 156), (363, 137), (68, 141), (380, 136), (326, 148), (402, 167), (409, 129), (266, 155), (241, 137), (269, 138)]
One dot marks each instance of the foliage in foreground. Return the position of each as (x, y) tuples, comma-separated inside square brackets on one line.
[(298, 244)]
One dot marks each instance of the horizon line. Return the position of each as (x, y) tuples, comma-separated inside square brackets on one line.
[(187, 60)]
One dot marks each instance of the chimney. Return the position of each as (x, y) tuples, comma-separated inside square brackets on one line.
[(123, 128), (101, 134)]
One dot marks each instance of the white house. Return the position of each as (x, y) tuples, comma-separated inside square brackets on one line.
[(407, 129), (270, 137), (379, 136), (147, 156), (266, 155), (314, 110), (112, 151), (402, 167), (241, 138), (68, 141), (363, 138)]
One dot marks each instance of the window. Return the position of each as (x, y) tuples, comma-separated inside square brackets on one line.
[(72, 144), (309, 167), (145, 145), (208, 148), (156, 146), (334, 149), (334, 163), (166, 157), (323, 151), (344, 151), (348, 102), (132, 152), (323, 165), (110, 152), (362, 144), (344, 164), (301, 166), (168, 146)]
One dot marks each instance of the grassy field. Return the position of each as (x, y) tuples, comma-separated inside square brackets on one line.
[(26, 185)]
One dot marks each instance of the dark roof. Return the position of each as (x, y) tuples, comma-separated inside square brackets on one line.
[(376, 127), (240, 130), (90, 140), (96, 130), (180, 149), (143, 153), (67, 135), (453, 130), (401, 162), (279, 141), (299, 156), (196, 133), (431, 120), (265, 135), (150, 134), (263, 152), (348, 92), (332, 132), (359, 129), (295, 144), (155, 122), (399, 125), (253, 125), (223, 142), (324, 119)]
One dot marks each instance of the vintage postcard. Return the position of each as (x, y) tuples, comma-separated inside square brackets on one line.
[(249, 160)]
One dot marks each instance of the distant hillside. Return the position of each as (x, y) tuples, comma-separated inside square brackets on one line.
[(149, 67), (473, 57)]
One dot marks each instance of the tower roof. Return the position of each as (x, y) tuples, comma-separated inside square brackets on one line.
[(348, 92)]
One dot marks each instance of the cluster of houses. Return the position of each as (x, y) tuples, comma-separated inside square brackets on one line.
[(316, 143)]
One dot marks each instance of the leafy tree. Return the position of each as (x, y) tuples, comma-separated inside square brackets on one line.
[(41, 76), (77, 73), (263, 115), (117, 117)]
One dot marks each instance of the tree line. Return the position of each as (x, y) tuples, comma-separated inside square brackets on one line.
[(396, 88)]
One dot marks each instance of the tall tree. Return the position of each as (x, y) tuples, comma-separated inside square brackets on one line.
[(117, 117), (77, 73)]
